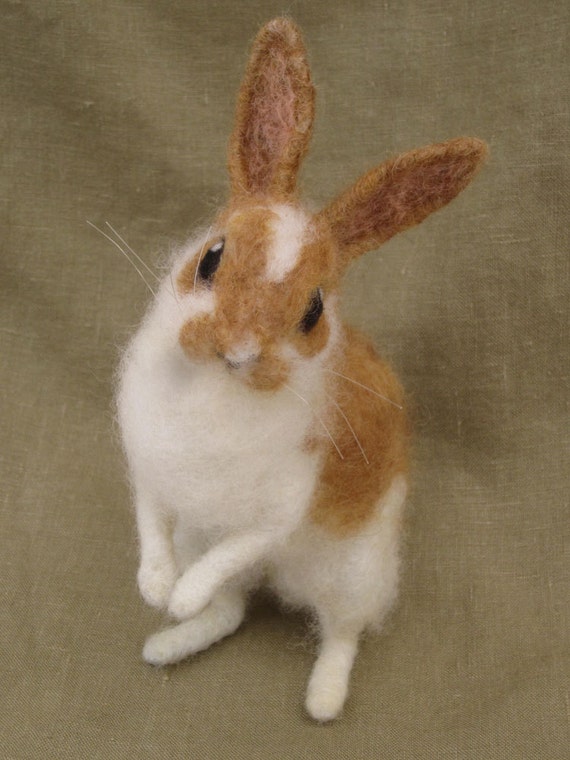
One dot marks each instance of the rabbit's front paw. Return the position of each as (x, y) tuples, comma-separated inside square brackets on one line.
[(189, 596), (156, 581)]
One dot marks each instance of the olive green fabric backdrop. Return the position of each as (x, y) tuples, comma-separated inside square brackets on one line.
[(119, 112)]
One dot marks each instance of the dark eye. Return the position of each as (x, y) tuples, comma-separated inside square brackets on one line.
[(313, 313), (210, 261)]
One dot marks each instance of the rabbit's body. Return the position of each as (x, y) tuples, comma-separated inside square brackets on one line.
[(217, 459), (267, 442)]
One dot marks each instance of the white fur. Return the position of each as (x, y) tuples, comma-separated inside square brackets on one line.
[(289, 232), (206, 449), (222, 616)]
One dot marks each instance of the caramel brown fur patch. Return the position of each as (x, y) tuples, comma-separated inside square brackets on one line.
[(316, 268), (195, 338), (350, 488)]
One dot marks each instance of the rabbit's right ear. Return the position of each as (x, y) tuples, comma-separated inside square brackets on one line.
[(274, 116)]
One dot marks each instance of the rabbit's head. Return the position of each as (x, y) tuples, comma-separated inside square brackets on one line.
[(262, 286)]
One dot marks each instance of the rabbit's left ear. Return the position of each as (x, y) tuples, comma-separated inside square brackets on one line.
[(274, 116), (401, 193)]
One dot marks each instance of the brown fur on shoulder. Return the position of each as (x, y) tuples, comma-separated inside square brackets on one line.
[(371, 432)]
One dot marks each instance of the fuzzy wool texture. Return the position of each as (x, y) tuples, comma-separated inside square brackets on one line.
[(402, 192), (274, 115), (262, 453)]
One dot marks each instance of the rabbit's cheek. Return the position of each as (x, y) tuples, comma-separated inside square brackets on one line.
[(195, 337), (269, 374)]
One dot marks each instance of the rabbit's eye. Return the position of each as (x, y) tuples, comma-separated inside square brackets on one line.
[(313, 313), (210, 262)]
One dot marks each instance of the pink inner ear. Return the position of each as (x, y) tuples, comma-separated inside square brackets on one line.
[(402, 192), (412, 197), (272, 121)]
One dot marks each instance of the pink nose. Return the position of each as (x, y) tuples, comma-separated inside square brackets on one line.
[(242, 355), (242, 363)]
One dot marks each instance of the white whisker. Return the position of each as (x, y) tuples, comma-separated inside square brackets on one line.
[(125, 254), (366, 388), (146, 265), (327, 431), (200, 257), (173, 293), (124, 242), (350, 428), (173, 288)]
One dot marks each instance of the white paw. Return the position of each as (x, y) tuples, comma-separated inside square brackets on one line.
[(156, 581), (189, 597), (163, 648), (324, 704)]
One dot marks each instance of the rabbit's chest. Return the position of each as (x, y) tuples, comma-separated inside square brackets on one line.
[(211, 449)]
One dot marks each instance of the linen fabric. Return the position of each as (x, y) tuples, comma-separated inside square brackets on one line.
[(120, 113)]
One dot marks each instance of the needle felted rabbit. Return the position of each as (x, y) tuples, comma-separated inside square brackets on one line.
[(266, 441)]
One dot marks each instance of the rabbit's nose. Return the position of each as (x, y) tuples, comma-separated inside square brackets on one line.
[(241, 356), (242, 364)]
